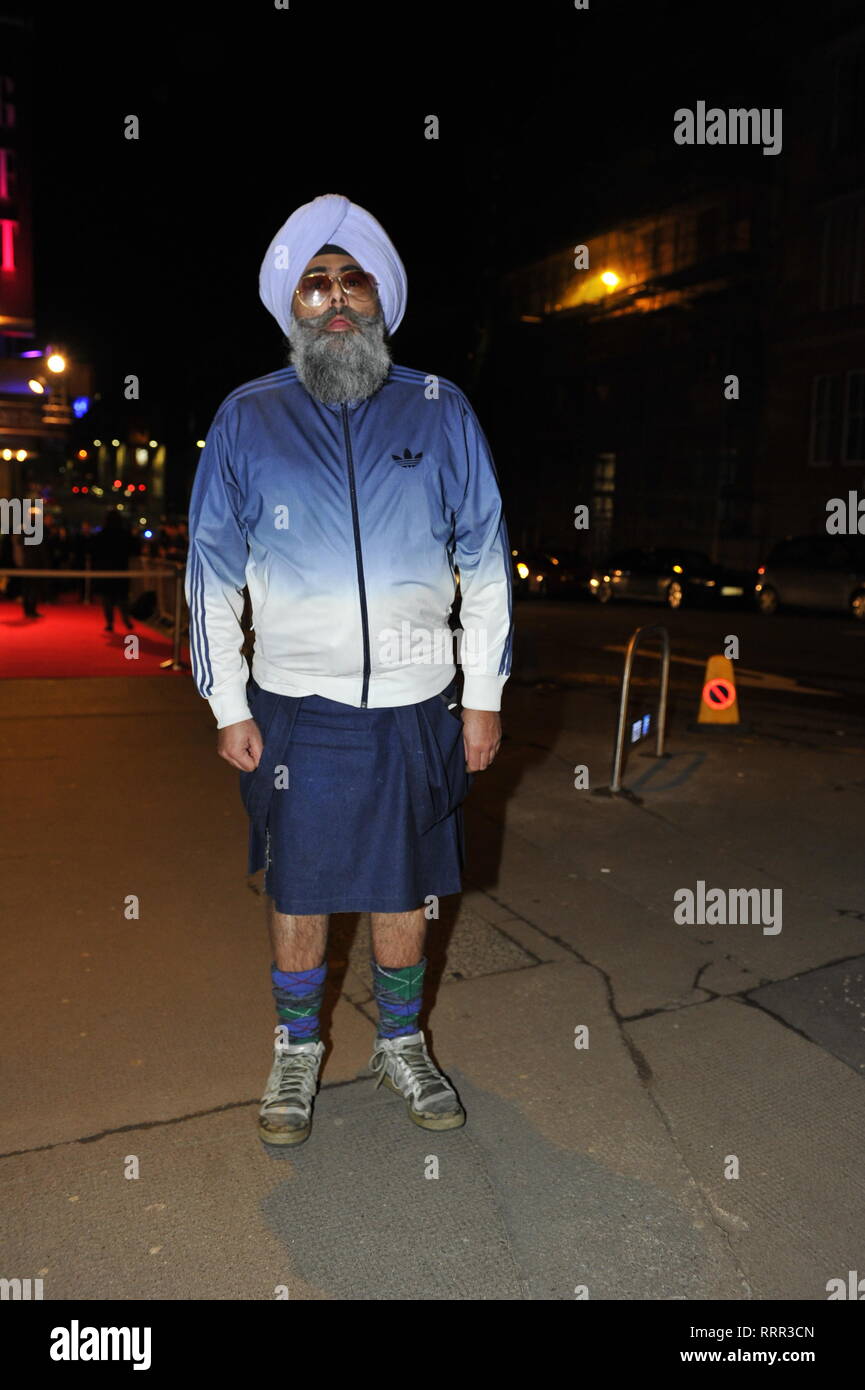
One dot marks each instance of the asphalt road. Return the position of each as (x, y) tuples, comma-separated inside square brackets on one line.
[(608, 1168), (794, 669)]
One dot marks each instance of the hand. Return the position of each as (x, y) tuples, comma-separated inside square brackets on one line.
[(482, 736), (241, 744)]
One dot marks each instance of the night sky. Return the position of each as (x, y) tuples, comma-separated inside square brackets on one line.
[(553, 122)]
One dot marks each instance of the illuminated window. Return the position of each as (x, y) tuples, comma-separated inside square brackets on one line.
[(8, 174), (602, 501), (8, 238)]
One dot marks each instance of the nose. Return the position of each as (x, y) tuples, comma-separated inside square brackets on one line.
[(337, 298)]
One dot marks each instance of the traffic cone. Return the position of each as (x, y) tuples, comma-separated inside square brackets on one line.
[(719, 703)]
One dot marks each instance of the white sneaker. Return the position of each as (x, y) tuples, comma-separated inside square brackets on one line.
[(285, 1116), (405, 1066)]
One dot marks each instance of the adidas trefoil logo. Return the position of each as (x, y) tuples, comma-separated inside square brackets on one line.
[(407, 459)]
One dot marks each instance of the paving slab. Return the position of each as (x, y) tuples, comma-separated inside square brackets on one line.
[(563, 1176), (190, 1226), (794, 1119), (827, 1006)]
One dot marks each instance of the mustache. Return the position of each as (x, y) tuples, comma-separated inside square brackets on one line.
[(350, 315)]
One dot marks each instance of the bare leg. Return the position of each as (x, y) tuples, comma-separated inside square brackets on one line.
[(298, 943), (398, 937)]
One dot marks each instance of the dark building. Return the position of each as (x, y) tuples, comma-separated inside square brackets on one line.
[(620, 396), (61, 442), (16, 231), (21, 425), (626, 363), (815, 348), (38, 382)]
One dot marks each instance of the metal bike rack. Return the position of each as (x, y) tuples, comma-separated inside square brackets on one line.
[(618, 755)]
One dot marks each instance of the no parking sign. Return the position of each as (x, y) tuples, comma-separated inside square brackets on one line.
[(719, 693), (718, 704)]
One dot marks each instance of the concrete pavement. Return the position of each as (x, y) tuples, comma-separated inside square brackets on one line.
[(141, 1044)]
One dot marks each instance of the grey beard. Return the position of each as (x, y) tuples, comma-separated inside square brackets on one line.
[(340, 366)]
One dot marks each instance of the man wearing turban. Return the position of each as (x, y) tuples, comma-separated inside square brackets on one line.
[(345, 492)]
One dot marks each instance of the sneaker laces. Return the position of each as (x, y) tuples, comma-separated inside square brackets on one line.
[(422, 1070), (295, 1080)]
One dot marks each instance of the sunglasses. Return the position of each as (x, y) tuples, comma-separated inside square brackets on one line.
[(314, 289)]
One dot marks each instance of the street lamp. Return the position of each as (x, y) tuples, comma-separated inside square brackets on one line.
[(56, 408)]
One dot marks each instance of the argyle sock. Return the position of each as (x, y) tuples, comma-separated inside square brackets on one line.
[(399, 994), (298, 995)]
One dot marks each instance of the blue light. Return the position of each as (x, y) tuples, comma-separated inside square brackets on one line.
[(80, 406), (148, 535), (647, 719), (636, 729)]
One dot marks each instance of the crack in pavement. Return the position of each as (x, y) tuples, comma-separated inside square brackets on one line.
[(644, 1073), (160, 1124)]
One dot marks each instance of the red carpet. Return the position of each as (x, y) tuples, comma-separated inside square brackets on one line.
[(69, 641)]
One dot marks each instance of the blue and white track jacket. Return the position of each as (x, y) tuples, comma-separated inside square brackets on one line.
[(346, 522)]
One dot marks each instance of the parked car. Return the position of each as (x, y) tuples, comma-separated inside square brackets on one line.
[(819, 572), (668, 574), (550, 574)]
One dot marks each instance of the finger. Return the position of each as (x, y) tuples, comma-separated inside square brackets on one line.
[(241, 761)]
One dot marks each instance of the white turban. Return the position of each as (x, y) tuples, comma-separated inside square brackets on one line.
[(331, 219)]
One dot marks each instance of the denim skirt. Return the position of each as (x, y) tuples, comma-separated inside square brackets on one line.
[(350, 824)]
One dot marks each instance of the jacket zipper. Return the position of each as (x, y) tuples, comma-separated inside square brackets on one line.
[(360, 582)]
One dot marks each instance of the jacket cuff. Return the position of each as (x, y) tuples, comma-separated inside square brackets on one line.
[(482, 692), (230, 708)]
